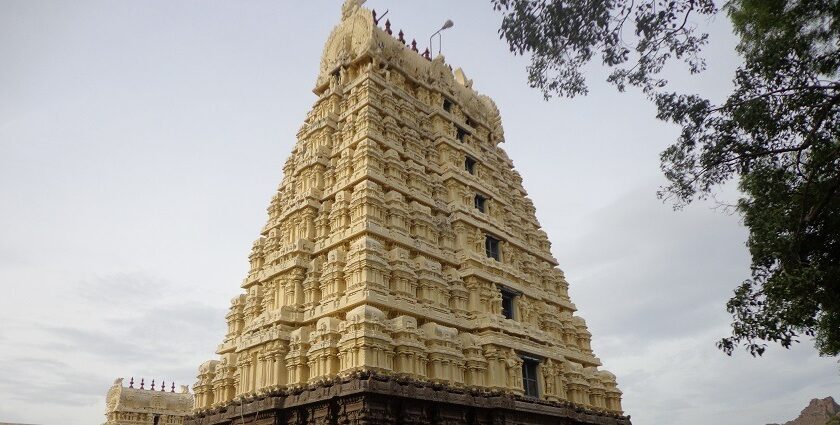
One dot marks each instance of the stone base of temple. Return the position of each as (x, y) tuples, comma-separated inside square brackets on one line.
[(367, 398)]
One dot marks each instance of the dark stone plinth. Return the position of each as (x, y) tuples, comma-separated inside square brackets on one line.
[(369, 399)]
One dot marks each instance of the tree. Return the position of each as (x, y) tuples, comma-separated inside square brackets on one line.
[(777, 134)]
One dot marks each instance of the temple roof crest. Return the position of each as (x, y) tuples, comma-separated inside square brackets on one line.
[(349, 7)]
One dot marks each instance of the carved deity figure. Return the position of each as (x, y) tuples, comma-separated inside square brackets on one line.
[(549, 376), (496, 302), (514, 369), (526, 309), (478, 240)]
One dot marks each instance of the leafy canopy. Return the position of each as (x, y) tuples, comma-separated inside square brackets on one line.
[(777, 133)]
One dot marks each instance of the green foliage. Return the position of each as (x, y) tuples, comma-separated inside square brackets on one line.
[(778, 134), (562, 36)]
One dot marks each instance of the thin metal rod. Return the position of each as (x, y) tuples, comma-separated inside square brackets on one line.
[(380, 17), (431, 47)]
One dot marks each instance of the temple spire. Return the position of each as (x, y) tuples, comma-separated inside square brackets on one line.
[(401, 243), (349, 7)]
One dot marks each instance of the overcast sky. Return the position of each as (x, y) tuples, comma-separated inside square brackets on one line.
[(140, 143)]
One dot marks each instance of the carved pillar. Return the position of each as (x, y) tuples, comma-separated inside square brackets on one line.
[(473, 286)]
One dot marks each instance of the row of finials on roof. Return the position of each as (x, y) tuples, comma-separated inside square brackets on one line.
[(143, 383), (401, 36)]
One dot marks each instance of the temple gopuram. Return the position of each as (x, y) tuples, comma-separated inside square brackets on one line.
[(402, 276)]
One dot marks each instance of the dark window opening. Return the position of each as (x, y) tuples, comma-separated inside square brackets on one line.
[(507, 303), (447, 105), (461, 134), (491, 247), (529, 376), (469, 165), (470, 123), (157, 420), (480, 203)]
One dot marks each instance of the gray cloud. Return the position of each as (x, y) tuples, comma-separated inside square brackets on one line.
[(36, 380), (103, 345), (131, 291), (70, 363), (663, 272), (652, 284)]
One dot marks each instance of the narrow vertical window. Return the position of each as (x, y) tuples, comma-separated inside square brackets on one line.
[(447, 105), (469, 165), (529, 376), (507, 303), (480, 203), (491, 247), (461, 134)]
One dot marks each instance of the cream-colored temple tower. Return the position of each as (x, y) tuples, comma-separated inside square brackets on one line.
[(401, 244)]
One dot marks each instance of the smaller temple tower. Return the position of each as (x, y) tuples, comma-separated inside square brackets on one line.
[(147, 406)]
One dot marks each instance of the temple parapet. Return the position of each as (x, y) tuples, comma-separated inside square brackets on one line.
[(147, 405)]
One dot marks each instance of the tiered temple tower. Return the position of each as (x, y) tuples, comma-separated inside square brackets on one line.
[(402, 275)]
